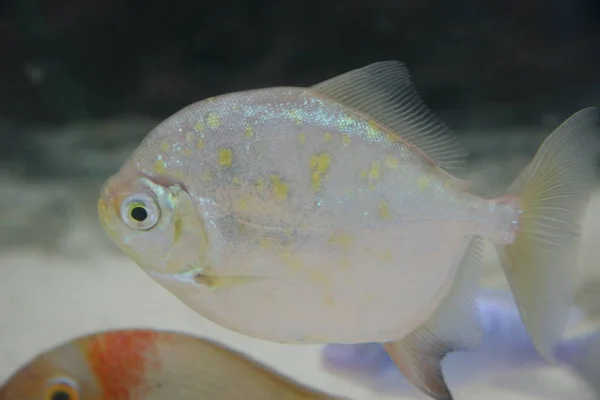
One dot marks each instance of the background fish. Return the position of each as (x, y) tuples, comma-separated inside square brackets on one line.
[(336, 214), (144, 364)]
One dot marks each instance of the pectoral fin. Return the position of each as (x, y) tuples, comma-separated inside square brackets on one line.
[(453, 327)]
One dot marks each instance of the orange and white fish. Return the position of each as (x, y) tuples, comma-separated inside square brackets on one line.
[(336, 214), (148, 364)]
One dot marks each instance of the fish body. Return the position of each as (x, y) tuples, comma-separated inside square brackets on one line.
[(336, 214), (311, 216), (320, 200), (148, 364)]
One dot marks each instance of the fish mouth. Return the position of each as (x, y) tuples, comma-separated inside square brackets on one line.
[(200, 276), (187, 278), (190, 275)]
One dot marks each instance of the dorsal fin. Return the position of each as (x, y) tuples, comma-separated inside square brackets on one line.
[(384, 91)]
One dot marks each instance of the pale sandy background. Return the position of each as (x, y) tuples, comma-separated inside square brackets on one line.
[(59, 276)]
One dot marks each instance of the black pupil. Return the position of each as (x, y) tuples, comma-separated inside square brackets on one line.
[(139, 214), (60, 395)]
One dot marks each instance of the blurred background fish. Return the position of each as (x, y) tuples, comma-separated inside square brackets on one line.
[(140, 364)]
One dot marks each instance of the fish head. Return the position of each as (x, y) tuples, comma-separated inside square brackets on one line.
[(154, 222), (62, 373)]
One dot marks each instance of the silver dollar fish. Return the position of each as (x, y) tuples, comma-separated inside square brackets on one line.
[(336, 214)]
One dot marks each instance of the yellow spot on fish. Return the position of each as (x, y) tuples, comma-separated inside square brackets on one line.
[(387, 255), (391, 162), (186, 151), (317, 276), (225, 157), (206, 176), (346, 140), (178, 228), (264, 242), (373, 126), (345, 122), (343, 240), (160, 167), (303, 225), (190, 136), (364, 173), (243, 204), (302, 139), (260, 184), (242, 227), (319, 165), (280, 189), (320, 276), (200, 144), (236, 181), (199, 127), (296, 117), (374, 173), (248, 131), (214, 120), (384, 210), (327, 137), (164, 146), (329, 298), (292, 261), (423, 182)]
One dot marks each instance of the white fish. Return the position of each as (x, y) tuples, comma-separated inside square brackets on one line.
[(334, 214)]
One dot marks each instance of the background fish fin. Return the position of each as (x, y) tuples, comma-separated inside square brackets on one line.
[(453, 327), (385, 92)]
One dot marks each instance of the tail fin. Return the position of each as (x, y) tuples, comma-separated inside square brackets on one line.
[(541, 264)]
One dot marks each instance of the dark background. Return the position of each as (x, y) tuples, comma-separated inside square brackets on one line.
[(477, 63)]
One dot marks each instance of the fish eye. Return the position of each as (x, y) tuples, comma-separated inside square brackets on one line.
[(140, 211), (62, 389)]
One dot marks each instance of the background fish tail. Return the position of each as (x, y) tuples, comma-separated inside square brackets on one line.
[(541, 264)]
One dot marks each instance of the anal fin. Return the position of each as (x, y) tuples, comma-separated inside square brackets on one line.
[(453, 327)]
